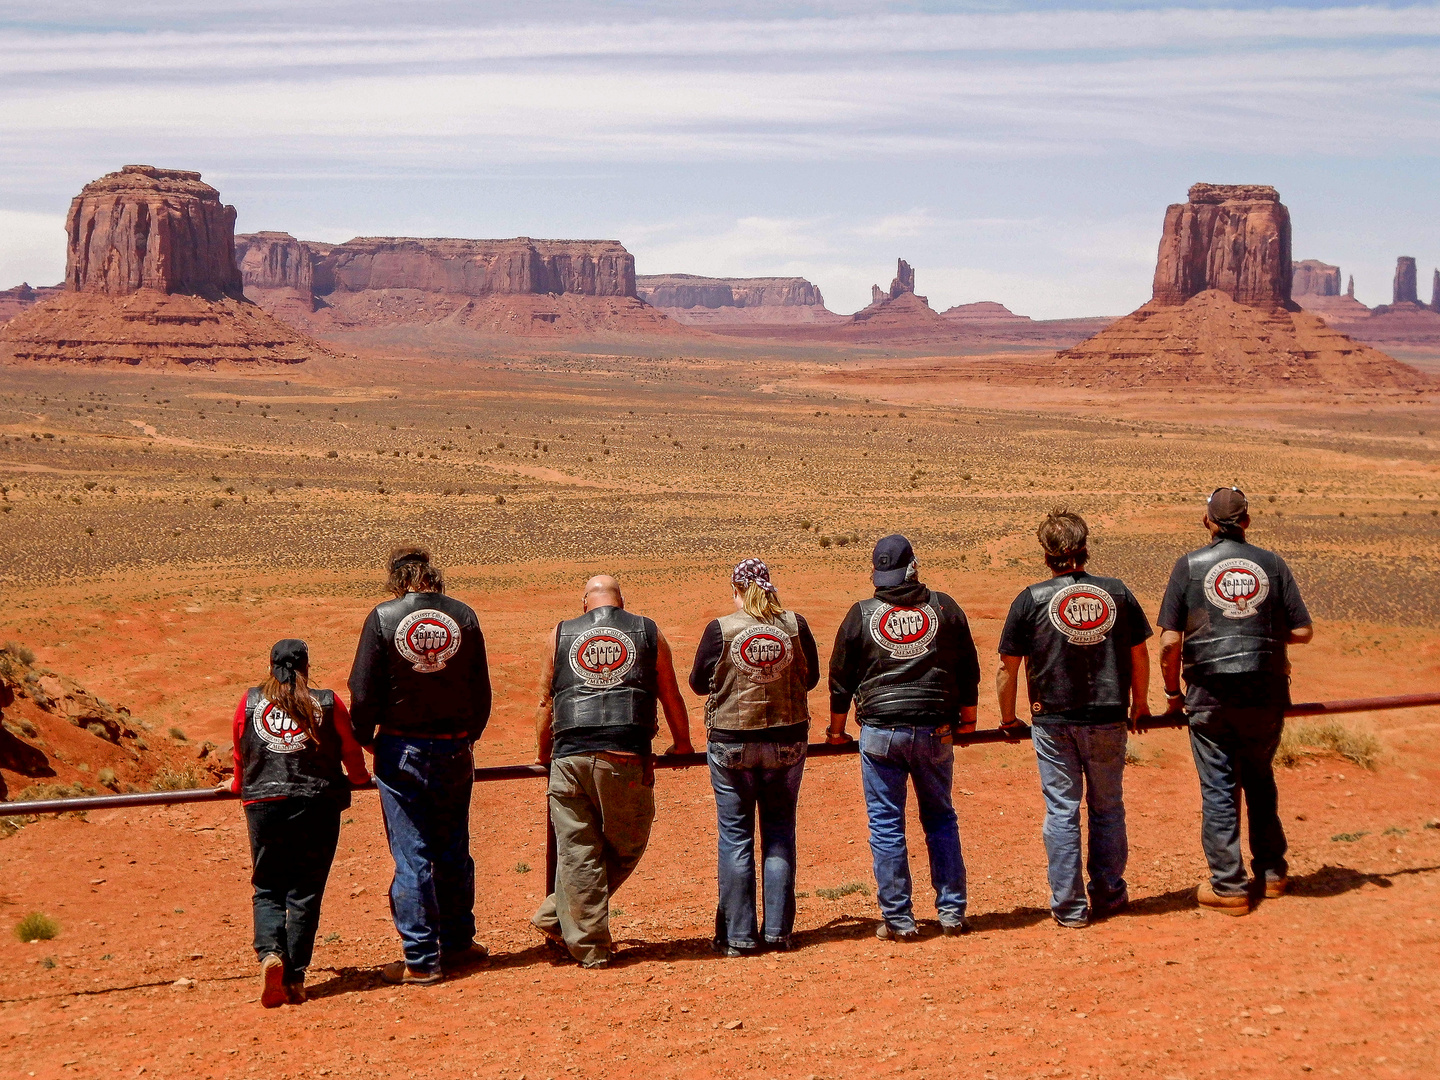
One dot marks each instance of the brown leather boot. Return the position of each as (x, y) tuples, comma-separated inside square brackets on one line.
[(1227, 905), (399, 974), (272, 981), (1275, 887)]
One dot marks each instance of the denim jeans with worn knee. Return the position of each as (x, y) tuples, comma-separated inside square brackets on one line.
[(749, 778), (425, 798), (1081, 760), (889, 756), (1234, 750)]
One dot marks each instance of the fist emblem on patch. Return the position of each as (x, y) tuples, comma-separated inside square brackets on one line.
[(904, 632), (1237, 587), (762, 652), (1083, 612), (277, 729), (602, 656), (429, 639)]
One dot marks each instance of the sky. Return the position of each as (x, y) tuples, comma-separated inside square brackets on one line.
[(1021, 152)]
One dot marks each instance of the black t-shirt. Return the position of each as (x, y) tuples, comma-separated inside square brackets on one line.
[(1262, 689), (1131, 629)]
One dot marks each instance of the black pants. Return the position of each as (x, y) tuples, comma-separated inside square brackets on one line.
[(292, 844)]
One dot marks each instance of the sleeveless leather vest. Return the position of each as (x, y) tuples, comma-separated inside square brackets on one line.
[(759, 680), (431, 639), (280, 761), (1075, 660), (905, 681), (605, 671), (1234, 624)]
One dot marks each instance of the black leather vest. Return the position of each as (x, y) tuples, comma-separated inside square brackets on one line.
[(431, 639), (1234, 623), (904, 682), (605, 671), (280, 761), (1076, 661)]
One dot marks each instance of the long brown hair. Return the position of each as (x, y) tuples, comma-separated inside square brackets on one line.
[(294, 700), (412, 571)]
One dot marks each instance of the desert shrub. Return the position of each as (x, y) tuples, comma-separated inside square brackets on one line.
[(20, 652), (21, 725), (848, 889), (98, 730), (178, 735), (37, 926), (175, 780), (1307, 739), (522, 868), (825, 541), (42, 791), (107, 777)]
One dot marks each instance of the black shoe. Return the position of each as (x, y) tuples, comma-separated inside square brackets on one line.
[(886, 932), (955, 929), (783, 945), (1072, 924), (468, 956), (724, 948)]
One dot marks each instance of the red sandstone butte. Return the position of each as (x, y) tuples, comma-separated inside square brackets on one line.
[(149, 228), (1311, 277), (1222, 313), (150, 278), (719, 302), (1234, 238)]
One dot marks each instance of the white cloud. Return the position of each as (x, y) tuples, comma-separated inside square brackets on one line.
[(32, 248)]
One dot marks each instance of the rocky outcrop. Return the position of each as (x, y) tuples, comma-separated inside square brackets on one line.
[(691, 291), (1241, 329), (902, 283), (1406, 290), (275, 260), (1350, 288), (151, 278), (13, 301), (1234, 238), (1435, 293), (478, 267), (1311, 277), (983, 311), (149, 228)]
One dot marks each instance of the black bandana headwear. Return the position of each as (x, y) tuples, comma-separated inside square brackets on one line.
[(752, 572), (408, 560), (287, 658)]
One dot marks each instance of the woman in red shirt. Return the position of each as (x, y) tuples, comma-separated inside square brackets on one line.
[(296, 760)]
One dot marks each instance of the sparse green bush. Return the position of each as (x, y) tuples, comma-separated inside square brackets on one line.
[(20, 652), (522, 868), (37, 926), (1347, 837), (1307, 739), (848, 889)]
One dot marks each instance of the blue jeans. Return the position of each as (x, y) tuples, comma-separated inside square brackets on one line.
[(1078, 759), (425, 797), (888, 757), (748, 777), (1234, 751)]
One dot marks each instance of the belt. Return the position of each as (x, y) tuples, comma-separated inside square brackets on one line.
[(418, 735)]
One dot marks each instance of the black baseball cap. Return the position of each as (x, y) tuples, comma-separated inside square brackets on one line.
[(288, 657), (1227, 506), (892, 558)]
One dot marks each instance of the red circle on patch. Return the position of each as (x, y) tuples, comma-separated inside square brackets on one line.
[(1237, 583), (1084, 611), (428, 637), (763, 650), (602, 654), (902, 625)]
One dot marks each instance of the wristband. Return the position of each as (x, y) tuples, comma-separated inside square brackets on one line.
[(1174, 693)]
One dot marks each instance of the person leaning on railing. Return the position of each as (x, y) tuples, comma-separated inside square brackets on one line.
[(756, 666)]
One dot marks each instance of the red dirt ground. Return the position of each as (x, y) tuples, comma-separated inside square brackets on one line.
[(1336, 979)]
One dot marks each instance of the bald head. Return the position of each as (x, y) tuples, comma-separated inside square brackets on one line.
[(602, 590)]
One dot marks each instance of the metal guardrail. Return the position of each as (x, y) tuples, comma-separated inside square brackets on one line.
[(682, 761)]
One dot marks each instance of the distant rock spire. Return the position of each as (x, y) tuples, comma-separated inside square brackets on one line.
[(904, 279), (1350, 289), (1405, 284), (1435, 293)]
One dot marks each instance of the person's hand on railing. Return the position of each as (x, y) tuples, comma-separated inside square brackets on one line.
[(678, 748), (1012, 727)]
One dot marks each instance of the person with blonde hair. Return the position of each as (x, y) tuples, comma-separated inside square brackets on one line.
[(295, 762), (756, 665)]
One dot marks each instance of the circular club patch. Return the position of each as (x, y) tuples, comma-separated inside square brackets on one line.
[(762, 652), (428, 639), (277, 728), (1084, 613), (1237, 587), (904, 632), (602, 656)]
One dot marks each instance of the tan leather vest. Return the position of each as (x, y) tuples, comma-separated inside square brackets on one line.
[(759, 681)]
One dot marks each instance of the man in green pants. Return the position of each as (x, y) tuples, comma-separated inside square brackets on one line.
[(603, 676)]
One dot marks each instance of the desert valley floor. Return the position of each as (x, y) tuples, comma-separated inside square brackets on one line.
[(162, 528)]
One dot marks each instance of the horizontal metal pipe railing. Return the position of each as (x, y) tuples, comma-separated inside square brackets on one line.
[(683, 761)]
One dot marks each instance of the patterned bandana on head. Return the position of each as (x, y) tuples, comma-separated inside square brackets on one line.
[(752, 572)]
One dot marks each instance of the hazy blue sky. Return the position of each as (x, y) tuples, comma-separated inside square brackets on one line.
[(1020, 152)]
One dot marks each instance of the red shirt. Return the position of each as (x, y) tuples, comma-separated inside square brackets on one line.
[(350, 753)]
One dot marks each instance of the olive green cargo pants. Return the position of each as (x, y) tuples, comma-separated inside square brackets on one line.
[(602, 806)]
